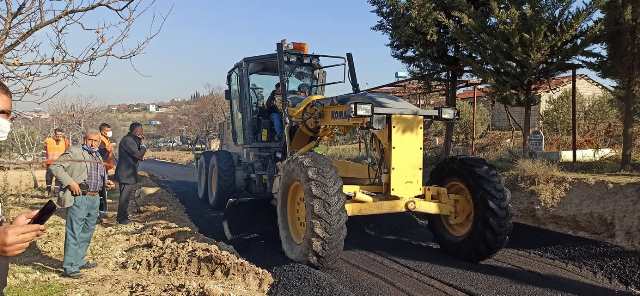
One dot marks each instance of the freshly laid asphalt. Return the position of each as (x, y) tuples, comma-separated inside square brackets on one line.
[(394, 255)]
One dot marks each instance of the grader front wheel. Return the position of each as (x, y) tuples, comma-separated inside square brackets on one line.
[(481, 224), (311, 213)]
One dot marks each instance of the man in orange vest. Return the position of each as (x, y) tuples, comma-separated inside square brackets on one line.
[(106, 148), (54, 146)]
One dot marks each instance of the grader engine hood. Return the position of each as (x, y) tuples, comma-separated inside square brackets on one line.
[(378, 100), (384, 104)]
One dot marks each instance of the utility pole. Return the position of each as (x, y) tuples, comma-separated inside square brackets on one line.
[(574, 146), (473, 123)]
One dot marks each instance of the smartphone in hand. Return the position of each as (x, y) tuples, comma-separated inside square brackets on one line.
[(44, 213)]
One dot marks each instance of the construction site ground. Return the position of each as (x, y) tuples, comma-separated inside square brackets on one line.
[(160, 253), (600, 207), (396, 255)]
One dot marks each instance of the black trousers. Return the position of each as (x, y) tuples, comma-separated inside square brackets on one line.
[(126, 193), (48, 178)]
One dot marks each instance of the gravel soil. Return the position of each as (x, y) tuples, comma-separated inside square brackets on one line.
[(159, 253)]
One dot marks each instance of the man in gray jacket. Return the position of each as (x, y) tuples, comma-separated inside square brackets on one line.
[(84, 178), (130, 152)]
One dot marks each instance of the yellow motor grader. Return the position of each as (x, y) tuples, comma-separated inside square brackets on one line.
[(269, 163)]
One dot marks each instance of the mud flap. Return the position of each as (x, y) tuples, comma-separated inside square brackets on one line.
[(247, 217)]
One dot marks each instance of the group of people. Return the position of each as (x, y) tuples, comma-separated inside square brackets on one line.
[(81, 178)]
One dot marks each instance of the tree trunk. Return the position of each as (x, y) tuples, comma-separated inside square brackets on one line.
[(526, 125), (627, 128), (525, 131), (450, 125), (33, 175)]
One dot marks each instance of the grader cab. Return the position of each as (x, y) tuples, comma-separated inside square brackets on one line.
[(269, 157)]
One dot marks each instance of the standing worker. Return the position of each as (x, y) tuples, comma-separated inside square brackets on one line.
[(130, 151), (106, 152), (106, 148), (54, 146), (14, 237), (82, 173)]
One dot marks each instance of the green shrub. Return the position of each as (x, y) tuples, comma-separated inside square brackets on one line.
[(464, 126), (598, 122)]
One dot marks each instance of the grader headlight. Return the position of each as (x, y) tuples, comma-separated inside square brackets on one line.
[(361, 109), (447, 113)]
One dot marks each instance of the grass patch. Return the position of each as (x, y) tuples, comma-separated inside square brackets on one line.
[(543, 178), (35, 289)]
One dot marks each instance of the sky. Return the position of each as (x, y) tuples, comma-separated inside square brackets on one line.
[(201, 40)]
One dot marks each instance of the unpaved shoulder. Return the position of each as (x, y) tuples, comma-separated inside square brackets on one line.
[(160, 253)]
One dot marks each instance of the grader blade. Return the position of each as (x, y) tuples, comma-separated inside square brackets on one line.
[(247, 217)]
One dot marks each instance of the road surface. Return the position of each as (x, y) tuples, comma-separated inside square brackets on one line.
[(393, 255)]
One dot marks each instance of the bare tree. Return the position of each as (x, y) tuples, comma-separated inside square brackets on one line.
[(74, 116), (26, 140), (199, 118), (38, 57)]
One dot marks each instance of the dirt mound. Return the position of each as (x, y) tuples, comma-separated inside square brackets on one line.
[(603, 209), (159, 253), (191, 258)]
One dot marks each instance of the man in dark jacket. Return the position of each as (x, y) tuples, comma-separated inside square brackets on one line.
[(130, 152)]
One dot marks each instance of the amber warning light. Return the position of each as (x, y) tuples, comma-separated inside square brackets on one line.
[(301, 47)]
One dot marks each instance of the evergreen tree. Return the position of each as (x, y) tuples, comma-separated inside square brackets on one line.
[(515, 45), (621, 37), (420, 36)]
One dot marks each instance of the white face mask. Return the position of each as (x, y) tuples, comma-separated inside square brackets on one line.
[(109, 134), (5, 128)]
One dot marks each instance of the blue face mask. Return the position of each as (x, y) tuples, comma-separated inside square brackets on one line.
[(89, 148)]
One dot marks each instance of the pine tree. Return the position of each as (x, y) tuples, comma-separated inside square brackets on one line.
[(517, 44), (621, 37), (420, 37)]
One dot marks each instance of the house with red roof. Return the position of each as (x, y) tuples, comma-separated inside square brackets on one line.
[(505, 117)]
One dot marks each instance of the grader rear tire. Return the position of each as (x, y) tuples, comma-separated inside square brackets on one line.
[(485, 226), (221, 179), (202, 169), (311, 214)]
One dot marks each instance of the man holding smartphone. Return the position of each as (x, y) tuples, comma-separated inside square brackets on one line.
[(130, 151), (14, 237), (84, 178)]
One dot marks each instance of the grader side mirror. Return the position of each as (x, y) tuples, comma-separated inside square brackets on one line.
[(227, 94)]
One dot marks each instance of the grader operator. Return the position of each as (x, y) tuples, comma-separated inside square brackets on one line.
[(464, 198)]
